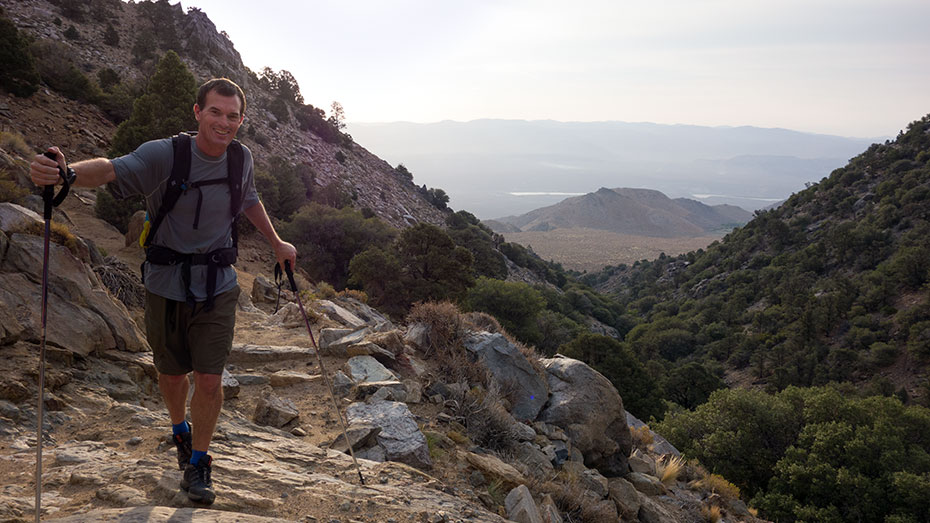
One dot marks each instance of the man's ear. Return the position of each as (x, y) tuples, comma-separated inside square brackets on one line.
[(196, 112)]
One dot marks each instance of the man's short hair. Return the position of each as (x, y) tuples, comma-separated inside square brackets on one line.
[(224, 87)]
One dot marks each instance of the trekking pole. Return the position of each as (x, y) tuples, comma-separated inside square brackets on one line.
[(332, 394), (50, 200)]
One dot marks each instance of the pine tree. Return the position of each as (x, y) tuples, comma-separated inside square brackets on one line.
[(165, 109)]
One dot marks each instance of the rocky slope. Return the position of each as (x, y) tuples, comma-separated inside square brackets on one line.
[(46, 118), (525, 439)]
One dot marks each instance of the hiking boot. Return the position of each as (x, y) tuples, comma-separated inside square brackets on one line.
[(197, 483), (183, 442)]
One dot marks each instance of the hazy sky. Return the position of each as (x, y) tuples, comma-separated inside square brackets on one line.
[(848, 67)]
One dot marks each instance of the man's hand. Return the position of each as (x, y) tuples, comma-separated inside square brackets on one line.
[(44, 171), (284, 251)]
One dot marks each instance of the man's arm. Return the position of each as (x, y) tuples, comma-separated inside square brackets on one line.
[(283, 250), (90, 173)]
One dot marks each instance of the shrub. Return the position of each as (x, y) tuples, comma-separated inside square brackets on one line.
[(642, 437), (116, 212), (110, 36), (325, 291), (19, 74), (514, 304), (668, 469), (71, 33), (445, 324), (353, 294)]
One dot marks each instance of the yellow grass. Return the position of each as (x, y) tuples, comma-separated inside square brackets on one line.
[(669, 469), (711, 513)]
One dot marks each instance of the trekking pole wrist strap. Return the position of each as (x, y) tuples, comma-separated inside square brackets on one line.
[(48, 194)]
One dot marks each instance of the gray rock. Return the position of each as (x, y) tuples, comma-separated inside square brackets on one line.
[(414, 391), (375, 453), (342, 384), (82, 315), (363, 369), (339, 314), (523, 432), (336, 346), (625, 495), (242, 354), (361, 435), (284, 378), (368, 348), (251, 379), (537, 462), (588, 408), (642, 463), (263, 291), (230, 385), (122, 495), (418, 335), (648, 485), (400, 437), (512, 371), (274, 411), (393, 390), (521, 507), (651, 511), (592, 480), (15, 217)]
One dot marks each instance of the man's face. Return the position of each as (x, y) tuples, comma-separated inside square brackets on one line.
[(218, 121)]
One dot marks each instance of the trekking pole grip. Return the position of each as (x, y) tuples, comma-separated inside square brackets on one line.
[(48, 193), (290, 275)]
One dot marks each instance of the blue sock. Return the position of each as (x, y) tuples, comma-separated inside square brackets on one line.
[(196, 455), (180, 428)]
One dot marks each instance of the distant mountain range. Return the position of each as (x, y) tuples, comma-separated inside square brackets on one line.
[(500, 167), (641, 212)]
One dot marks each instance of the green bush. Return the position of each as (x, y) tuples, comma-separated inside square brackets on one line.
[(515, 305), (329, 238), (18, 75), (116, 212)]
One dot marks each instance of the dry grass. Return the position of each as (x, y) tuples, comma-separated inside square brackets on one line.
[(568, 495), (354, 294), (717, 484), (711, 513), (642, 437), (14, 142), (445, 323), (482, 321), (60, 234), (669, 468)]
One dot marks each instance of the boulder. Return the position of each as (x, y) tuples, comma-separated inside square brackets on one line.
[(520, 506), (274, 411), (394, 390), (247, 353), (15, 217), (263, 291), (537, 462), (288, 316), (418, 336), (625, 495), (362, 369), (648, 485), (392, 341), (82, 315), (342, 384), (339, 314), (588, 408), (651, 511), (640, 462), (334, 342), (367, 348), (512, 372), (400, 437), (549, 510)]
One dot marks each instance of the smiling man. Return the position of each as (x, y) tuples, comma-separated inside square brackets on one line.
[(194, 189)]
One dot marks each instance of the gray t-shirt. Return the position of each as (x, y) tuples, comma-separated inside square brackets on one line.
[(145, 172)]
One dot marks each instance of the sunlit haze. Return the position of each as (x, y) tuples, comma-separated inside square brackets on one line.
[(845, 67)]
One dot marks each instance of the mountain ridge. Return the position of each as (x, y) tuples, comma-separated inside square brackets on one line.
[(642, 212)]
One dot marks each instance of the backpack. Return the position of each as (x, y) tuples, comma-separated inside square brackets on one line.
[(177, 185)]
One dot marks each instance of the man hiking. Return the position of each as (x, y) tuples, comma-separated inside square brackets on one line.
[(194, 187)]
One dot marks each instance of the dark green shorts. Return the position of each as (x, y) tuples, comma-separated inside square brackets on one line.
[(182, 342)]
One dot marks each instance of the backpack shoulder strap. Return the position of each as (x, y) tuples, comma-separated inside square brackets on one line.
[(177, 181), (235, 158)]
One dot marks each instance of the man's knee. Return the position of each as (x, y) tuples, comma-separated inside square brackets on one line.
[(171, 379), (209, 384)]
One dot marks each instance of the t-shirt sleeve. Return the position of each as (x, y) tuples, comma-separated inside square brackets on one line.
[(250, 194), (144, 170)]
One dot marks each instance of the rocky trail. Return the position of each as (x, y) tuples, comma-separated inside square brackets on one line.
[(433, 416)]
